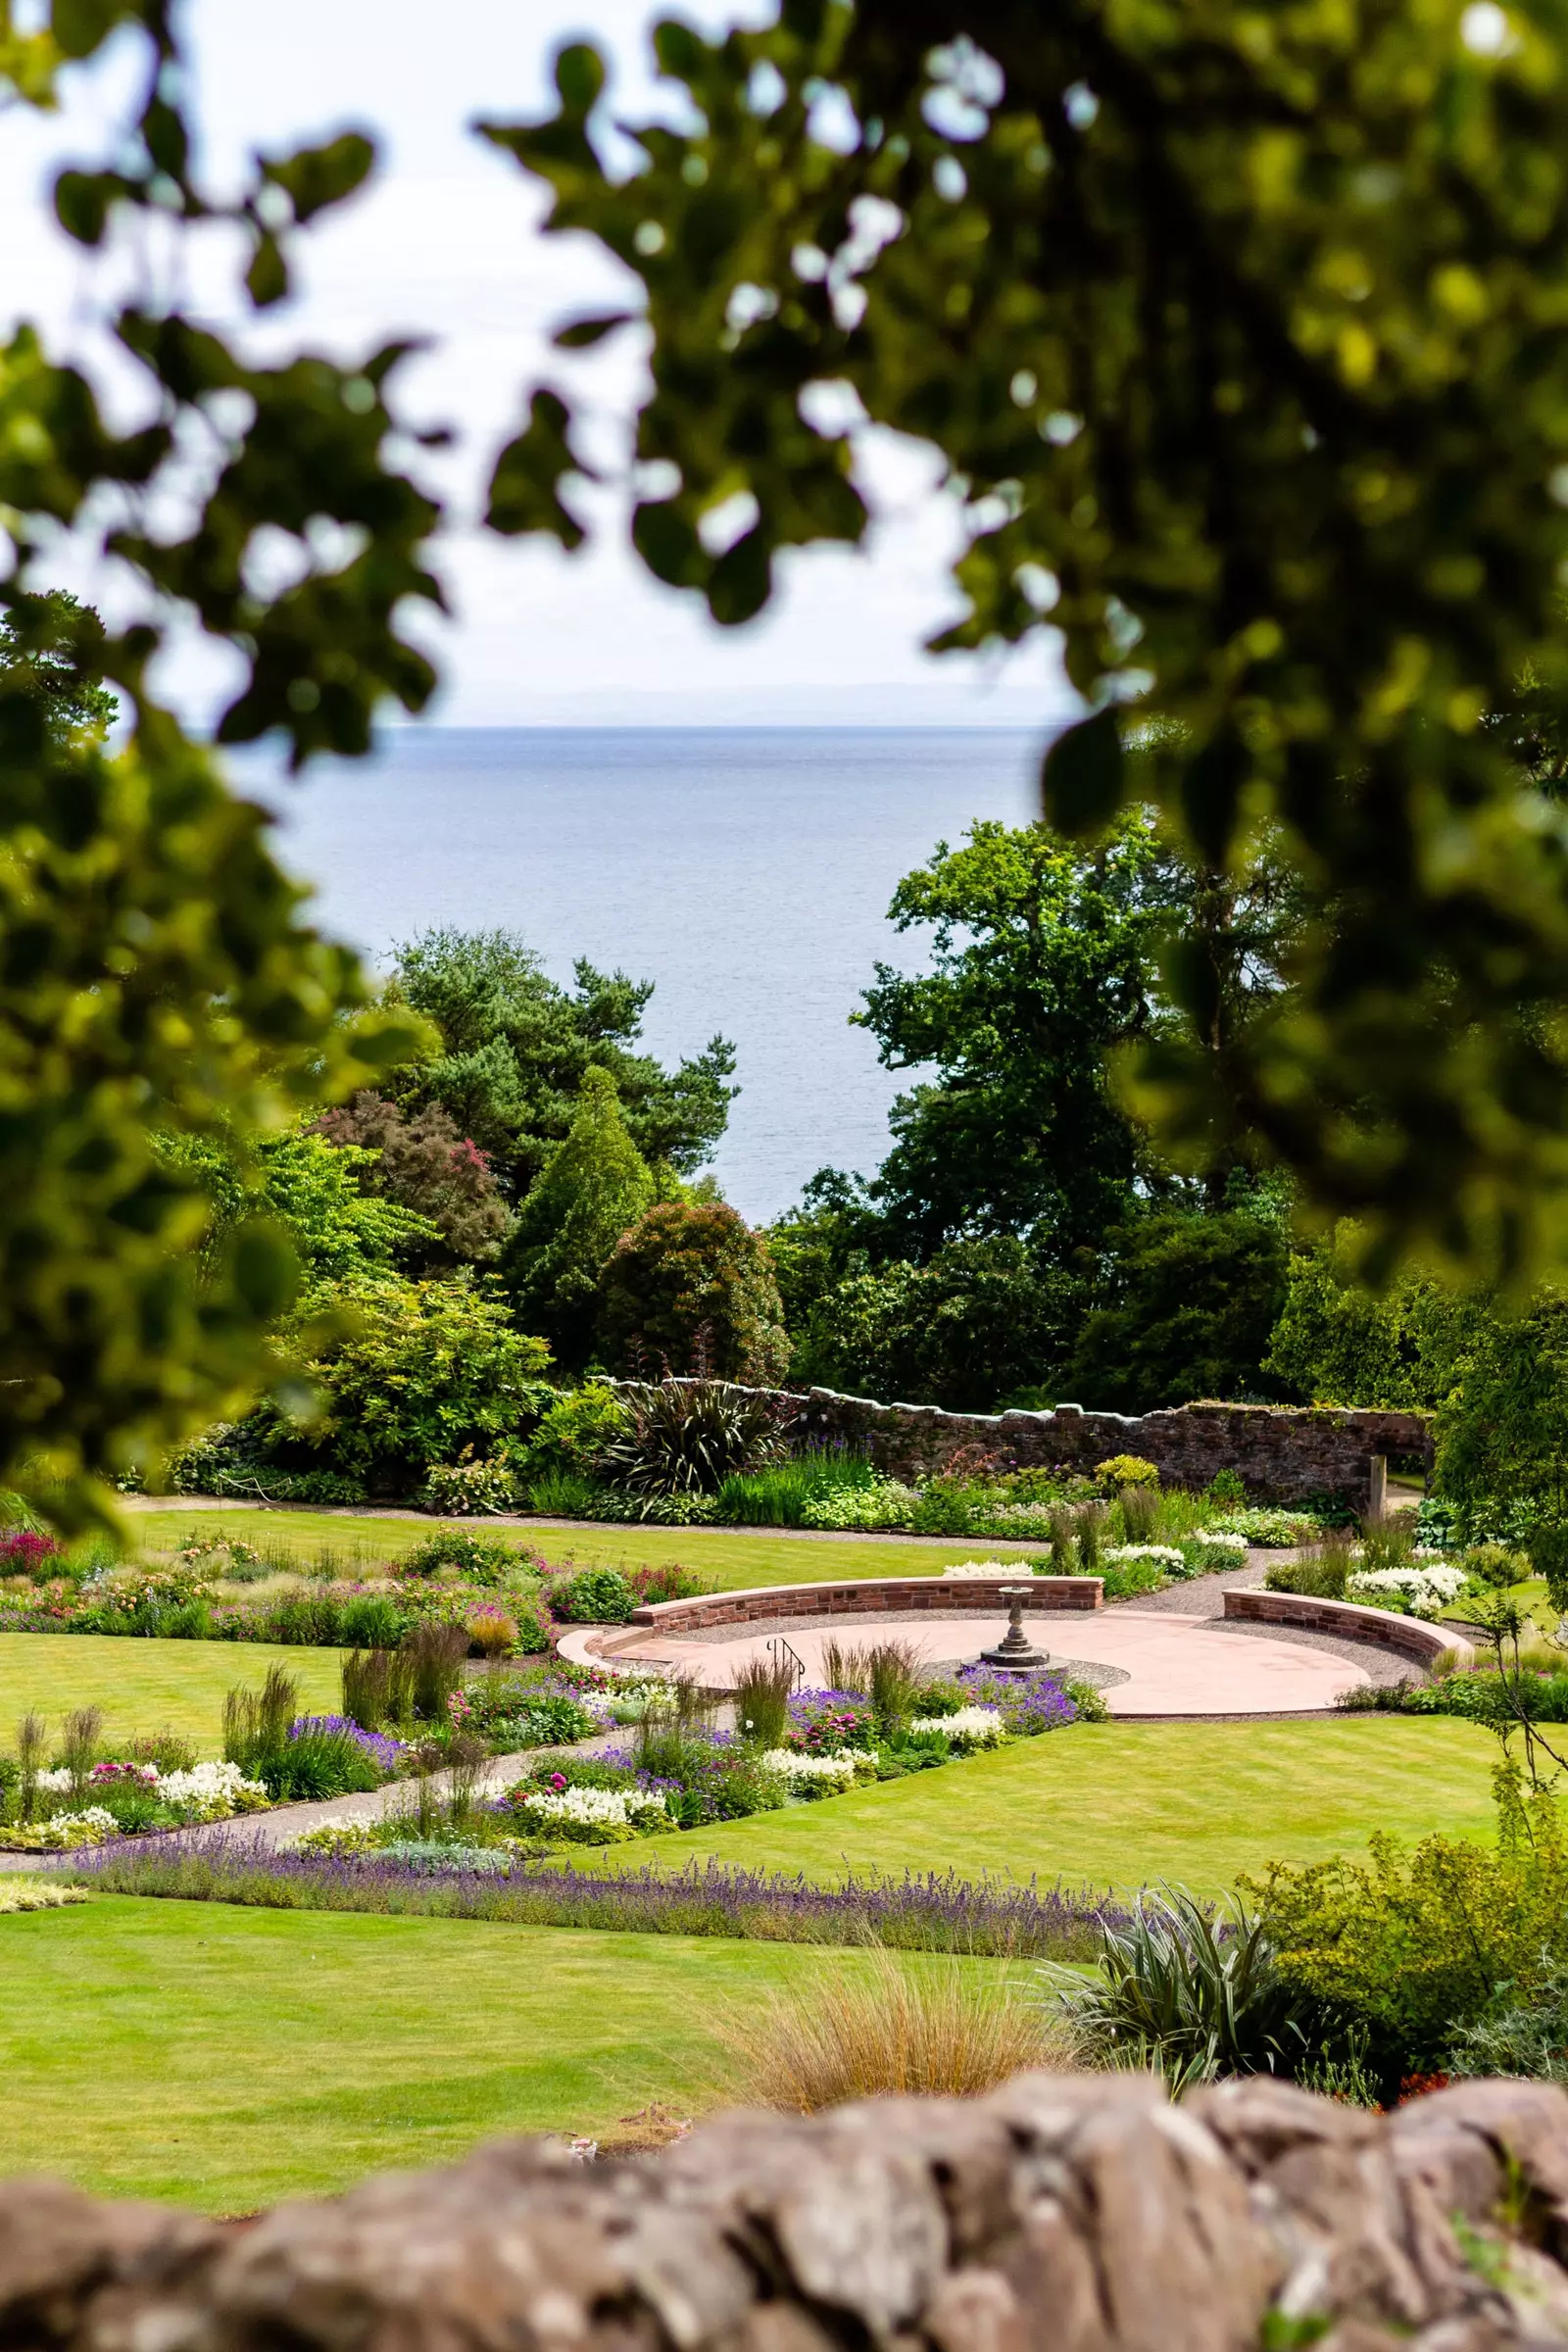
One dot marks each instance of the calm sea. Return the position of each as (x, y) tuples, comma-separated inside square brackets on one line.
[(745, 871)]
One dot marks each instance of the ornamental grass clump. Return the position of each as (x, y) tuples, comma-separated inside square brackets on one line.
[(888, 2030), (887, 1674), (764, 1688)]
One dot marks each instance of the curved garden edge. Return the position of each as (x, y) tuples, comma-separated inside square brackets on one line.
[(1410, 1636)]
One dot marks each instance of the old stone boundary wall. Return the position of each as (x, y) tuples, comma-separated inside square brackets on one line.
[(1061, 2214), (1285, 1454)]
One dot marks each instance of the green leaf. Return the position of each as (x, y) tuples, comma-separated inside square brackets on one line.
[(80, 26), (1081, 776), (82, 204), (579, 77), (265, 1268), (266, 278), (313, 178), (582, 334), (742, 579), (667, 544)]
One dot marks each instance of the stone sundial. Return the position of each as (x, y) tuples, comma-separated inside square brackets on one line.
[(1016, 1653)]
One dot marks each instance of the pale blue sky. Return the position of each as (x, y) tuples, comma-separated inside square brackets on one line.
[(446, 243)]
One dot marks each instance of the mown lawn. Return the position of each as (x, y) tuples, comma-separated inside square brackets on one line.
[(731, 1558), (228, 2058), (1124, 1804), (149, 1686)]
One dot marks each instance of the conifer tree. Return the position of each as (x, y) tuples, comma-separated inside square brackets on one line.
[(595, 1186)]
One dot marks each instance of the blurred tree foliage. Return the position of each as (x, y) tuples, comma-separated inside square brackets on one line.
[(1238, 331), (156, 977), (515, 1048)]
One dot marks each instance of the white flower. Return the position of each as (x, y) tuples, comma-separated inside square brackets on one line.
[(791, 1767), (87, 1828), (989, 1568), (970, 1726), (1426, 1592), (211, 1792), (615, 1807), (1221, 1538), (1163, 1555), (57, 1781)]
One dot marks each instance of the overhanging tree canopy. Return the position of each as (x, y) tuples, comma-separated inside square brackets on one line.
[(1243, 334)]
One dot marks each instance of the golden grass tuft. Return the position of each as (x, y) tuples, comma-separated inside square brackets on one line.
[(890, 2028), (31, 1894)]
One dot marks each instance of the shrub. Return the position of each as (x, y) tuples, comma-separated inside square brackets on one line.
[(370, 1621), (886, 1673), (469, 1489), (425, 1369), (591, 1597), (315, 1764), (575, 1431), (688, 1435), (1495, 1565), (1319, 1577), (882, 1502), (481, 1559), (22, 1552), (691, 1284), (886, 2030), (1125, 1470), (256, 1723), (1412, 1946)]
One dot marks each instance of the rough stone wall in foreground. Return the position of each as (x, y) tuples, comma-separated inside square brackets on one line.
[(1285, 1454), (1062, 2214)]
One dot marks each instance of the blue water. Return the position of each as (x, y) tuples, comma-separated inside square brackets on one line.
[(746, 871)]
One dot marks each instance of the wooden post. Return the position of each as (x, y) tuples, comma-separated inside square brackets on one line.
[(1377, 1502)]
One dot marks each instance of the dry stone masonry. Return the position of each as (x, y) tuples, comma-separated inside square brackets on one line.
[(1061, 2214), (1285, 1454)]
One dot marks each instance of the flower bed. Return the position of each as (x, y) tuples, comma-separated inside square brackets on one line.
[(920, 1912)]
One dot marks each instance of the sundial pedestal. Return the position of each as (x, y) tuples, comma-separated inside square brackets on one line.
[(1016, 1653)]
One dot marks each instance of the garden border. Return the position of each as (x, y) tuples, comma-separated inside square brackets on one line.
[(879, 1595), (1412, 1636)]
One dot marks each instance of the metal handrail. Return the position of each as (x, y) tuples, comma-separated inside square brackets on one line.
[(780, 1651)]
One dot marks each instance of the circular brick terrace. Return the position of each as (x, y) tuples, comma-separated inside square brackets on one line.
[(1174, 1665)]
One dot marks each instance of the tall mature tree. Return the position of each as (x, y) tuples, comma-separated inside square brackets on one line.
[(1042, 961), (594, 1185), (516, 1047), (1237, 332)]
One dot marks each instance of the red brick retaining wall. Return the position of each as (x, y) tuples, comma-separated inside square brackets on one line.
[(1410, 1636), (888, 1595)]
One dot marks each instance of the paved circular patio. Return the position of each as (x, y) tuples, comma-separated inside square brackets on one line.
[(1174, 1665)]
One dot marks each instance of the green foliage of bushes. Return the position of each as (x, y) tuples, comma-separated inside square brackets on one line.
[(691, 1286), (1413, 1946)]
